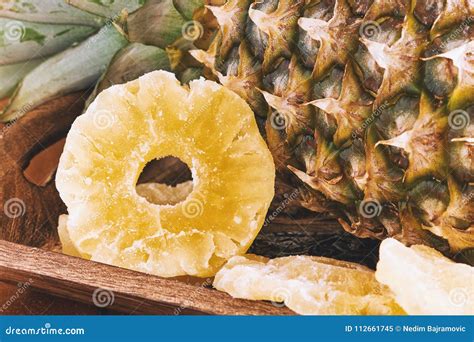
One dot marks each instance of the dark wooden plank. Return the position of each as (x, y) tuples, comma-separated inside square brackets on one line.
[(21, 299), (33, 210), (133, 292)]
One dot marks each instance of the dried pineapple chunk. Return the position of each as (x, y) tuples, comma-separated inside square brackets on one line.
[(307, 285), (424, 281), (209, 128)]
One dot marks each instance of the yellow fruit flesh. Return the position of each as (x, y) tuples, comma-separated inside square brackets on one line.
[(424, 281), (155, 193), (209, 128), (307, 285)]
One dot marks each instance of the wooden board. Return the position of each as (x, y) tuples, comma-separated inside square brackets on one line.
[(76, 278)]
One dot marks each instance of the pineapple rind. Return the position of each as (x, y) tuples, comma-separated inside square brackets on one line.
[(388, 106)]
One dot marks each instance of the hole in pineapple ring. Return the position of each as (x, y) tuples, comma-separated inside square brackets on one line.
[(165, 181)]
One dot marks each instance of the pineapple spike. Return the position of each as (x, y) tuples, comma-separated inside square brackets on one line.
[(350, 110), (207, 58), (231, 18), (402, 141), (455, 12), (456, 224), (385, 180), (413, 232), (425, 144), (247, 82), (335, 37), (467, 140), (461, 60), (401, 61), (326, 174), (387, 8), (280, 27), (281, 105)]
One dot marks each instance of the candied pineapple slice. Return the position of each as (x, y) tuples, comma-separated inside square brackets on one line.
[(307, 285), (424, 281), (205, 125), (156, 193)]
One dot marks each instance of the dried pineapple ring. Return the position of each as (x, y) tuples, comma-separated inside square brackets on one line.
[(307, 285), (208, 127), (156, 193)]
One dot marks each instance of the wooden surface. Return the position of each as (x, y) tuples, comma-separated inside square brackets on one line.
[(17, 299), (35, 208), (78, 279)]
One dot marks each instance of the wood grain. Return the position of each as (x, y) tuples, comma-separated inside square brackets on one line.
[(33, 210), (20, 299), (133, 292)]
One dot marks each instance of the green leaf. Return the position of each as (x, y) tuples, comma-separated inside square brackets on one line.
[(21, 40), (157, 23), (187, 7), (71, 70), (131, 62), (11, 75), (107, 8), (48, 12), (190, 74)]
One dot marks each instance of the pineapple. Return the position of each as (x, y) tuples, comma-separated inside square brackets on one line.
[(424, 281), (367, 106), (205, 125), (307, 285)]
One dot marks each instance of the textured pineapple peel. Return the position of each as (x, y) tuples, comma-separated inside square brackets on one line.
[(307, 285), (424, 281), (205, 125)]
